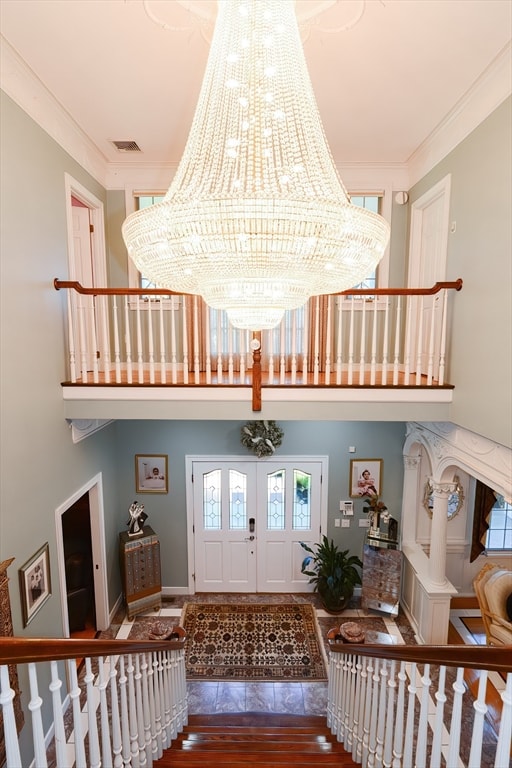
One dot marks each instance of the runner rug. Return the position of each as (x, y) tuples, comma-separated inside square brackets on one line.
[(253, 642)]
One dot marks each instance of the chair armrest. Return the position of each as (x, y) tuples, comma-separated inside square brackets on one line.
[(495, 619)]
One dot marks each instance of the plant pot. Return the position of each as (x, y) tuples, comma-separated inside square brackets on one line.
[(334, 605)]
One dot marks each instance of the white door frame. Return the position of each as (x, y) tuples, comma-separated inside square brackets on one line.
[(95, 490), (75, 189), (189, 461)]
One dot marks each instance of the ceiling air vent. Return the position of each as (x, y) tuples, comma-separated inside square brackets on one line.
[(126, 146)]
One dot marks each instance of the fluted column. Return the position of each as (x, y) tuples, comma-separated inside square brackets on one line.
[(437, 559), (410, 496)]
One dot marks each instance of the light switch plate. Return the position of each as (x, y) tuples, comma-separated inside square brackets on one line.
[(364, 523), (337, 522), (345, 523)]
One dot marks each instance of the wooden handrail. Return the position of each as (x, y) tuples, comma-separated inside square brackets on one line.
[(78, 287), (21, 650), (493, 658)]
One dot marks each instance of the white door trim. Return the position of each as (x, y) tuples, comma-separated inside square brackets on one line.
[(95, 490), (440, 190), (189, 461), (75, 189)]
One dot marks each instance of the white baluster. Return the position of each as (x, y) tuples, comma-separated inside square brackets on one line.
[(351, 342), (71, 339), (169, 716), (339, 346), (151, 347), (37, 722), (82, 324), (105, 351), (127, 342), (459, 688), (409, 728), (163, 714), (208, 347), (399, 718), (79, 735), (146, 710), (12, 749), (480, 707), (117, 744), (140, 712), (94, 339), (92, 703), (174, 361), (132, 714), (396, 356), (316, 350), (243, 341), (419, 341), (220, 348), (327, 374), (357, 748), (158, 709), (430, 364), (381, 715), (421, 739), (270, 346), (305, 344), (351, 705), (197, 366), (442, 348), (407, 351), (435, 759), (373, 356), (356, 714), (390, 712), (58, 718), (117, 358), (230, 354), (372, 737), (385, 345), (367, 712), (106, 752), (294, 347), (123, 700), (505, 734), (185, 340), (152, 715), (140, 357), (282, 359), (163, 358), (362, 343)]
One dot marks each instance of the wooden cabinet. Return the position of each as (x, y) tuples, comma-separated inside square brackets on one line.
[(140, 571), (382, 571)]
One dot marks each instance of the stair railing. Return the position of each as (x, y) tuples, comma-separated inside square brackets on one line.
[(124, 711), (379, 703)]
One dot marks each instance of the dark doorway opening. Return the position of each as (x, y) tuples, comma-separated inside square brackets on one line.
[(77, 540)]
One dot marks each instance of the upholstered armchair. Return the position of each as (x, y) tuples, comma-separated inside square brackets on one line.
[(493, 588)]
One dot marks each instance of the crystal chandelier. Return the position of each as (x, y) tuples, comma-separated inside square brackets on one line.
[(256, 219)]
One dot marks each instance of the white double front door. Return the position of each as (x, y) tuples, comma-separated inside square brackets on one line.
[(248, 519)]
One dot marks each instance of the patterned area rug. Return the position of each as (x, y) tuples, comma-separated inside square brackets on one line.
[(252, 642)]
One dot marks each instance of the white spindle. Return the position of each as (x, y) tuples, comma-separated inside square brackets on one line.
[(161, 330), (442, 347), (282, 359), (174, 361), (504, 738), (71, 339), (140, 712), (452, 759), (399, 719), (127, 341), (158, 711), (327, 374), (385, 345), (351, 707), (305, 344), (145, 709), (125, 717), (480, 707), (367, 711), (132, 714), (372, 736), (92, 726), (37, 722), (117, 744), (117, 358), (409, 727), (435, 759), (82, 324), (381, 714), (396, 356), (152, 713), (94, 339), (105, 343), (244, 345), (106, 751), (163, 710), (316, 350), (138, 335), (151, 346), (357, 712), (407, 350), (362, 343), (169, 722), (419, 342), (421, 739), (208, 353), (197, 366), (184, 340), (431, 342), (219, 348), (79, 735), (230, 354), (339, 310), (390, 714), (270, 344), (351, 342), (357, 748), (58, 718), (373, 356), (12, 749), (294, 347)]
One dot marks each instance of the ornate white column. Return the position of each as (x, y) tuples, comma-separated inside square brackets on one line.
[(437, 559), (410, 498)]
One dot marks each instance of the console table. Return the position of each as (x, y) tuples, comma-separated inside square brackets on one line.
[(382, 572), (140, 571)]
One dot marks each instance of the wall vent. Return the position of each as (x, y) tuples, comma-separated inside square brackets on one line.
[(126, 146)]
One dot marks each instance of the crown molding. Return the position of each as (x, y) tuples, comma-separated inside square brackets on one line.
[(492, 87), (23, 86)]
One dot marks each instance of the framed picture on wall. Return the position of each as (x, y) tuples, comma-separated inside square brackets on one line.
[(151, 473), (365, 477), (35, 584)]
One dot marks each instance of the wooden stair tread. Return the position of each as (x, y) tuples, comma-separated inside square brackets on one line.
[(245, 735), (258, 719), (257, 746)]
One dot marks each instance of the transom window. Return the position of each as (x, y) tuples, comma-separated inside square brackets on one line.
[(499, 534)]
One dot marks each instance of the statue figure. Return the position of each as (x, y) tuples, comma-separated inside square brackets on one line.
[(137, 519)]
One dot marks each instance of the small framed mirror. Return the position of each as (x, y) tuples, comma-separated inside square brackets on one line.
[(455, 500)]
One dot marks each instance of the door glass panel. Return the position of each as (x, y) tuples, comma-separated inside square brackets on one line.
[(211, 501), (275, 501), (237, 500), (301, 501)]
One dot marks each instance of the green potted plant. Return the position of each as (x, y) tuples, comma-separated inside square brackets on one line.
[(333, 572)]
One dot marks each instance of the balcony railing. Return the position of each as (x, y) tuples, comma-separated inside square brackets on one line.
[(393, 337)]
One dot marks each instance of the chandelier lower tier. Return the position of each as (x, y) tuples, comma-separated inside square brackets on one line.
[(256, 219)]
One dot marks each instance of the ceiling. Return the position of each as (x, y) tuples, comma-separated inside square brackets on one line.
[(386, 73)]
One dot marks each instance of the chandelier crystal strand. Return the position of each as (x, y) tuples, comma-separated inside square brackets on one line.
[(256, 219)]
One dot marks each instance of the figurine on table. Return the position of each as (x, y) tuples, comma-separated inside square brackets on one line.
[(137, 519)]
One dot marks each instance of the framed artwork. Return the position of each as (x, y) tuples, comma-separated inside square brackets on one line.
[(365, 477), (151, 473), (35, 583)]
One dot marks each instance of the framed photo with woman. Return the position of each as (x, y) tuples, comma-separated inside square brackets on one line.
[(365, 477)]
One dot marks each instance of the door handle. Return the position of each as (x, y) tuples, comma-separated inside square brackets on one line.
[(249, 538)]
